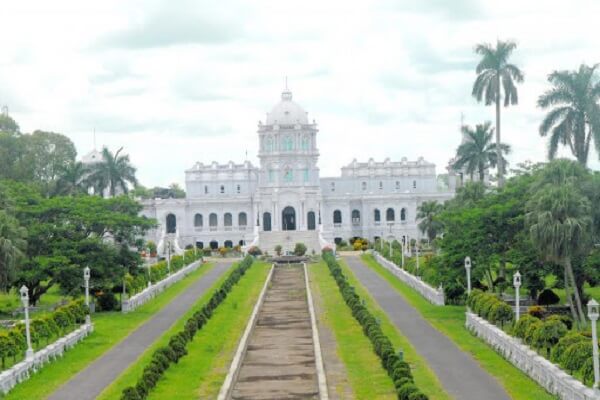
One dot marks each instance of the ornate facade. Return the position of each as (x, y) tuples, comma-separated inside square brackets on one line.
[(284, 200)]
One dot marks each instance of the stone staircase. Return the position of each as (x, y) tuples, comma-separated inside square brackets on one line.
[(288, 239)]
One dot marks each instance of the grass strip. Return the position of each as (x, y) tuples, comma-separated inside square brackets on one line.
[(110, 328), (201, 373), (425, 379), (365, 374), (450, 320)]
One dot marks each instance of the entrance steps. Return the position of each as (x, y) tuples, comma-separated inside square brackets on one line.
[(288, 239)]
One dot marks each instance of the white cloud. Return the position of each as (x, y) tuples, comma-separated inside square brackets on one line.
[(176, 82)]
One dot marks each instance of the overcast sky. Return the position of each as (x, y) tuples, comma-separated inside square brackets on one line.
[(176, 82)]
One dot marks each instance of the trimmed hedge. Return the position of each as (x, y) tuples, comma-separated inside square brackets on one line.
[(163, 357), (63, 320), (397, 369)]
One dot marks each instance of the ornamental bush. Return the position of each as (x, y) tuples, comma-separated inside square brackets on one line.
[(417, 396), (547, 298), (406, 390), (522, 325), (300, 249), (531, 332), (536, 311), (564, 343), (548, 335), (576, 355), (566, 320), (501, 313)]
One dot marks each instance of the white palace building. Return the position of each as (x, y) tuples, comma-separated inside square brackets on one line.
[(284, 200)]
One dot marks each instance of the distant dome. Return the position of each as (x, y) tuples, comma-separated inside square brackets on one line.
[(287, 112)]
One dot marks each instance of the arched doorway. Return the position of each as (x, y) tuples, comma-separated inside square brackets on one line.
[(266, 221), (311, 221), (288, 219), (171, 223)]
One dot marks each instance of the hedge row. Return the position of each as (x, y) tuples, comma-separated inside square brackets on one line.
[(398, 370), (552, 337), (165, 356), (13, 342)]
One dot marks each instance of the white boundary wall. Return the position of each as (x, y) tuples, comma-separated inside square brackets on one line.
[(151, 291), (434, 296), (548, 375), (22, 370)]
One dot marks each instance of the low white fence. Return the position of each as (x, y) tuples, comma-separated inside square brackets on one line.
[(22, 370), (150, 292), (433, 295), (548, 375)]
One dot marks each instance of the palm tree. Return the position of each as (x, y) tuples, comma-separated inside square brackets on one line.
[(575, 117), (427, 213), (560, 223), (114, 172), (478, 152), (494, 76), (12, 243), (73, 179)]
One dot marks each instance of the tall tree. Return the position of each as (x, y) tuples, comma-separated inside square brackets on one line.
[(112, 173), (479, 152), (73, 179), (560, 223), (495, 80), (574, 119), (12, 244), (427, 213)]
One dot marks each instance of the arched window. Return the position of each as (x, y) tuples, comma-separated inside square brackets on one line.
[(212, 221), (198, 220), (363, 186), (222, 189), (239, 189), (228, 244), (376, 215), (205, 189), (414, 184), (242, 219), (266, 222), (337, 217), (311, 221), (355, 217), (305, 143), (403, 214), (227, 220), (390, 215), (171, 223), (214, 245), (397, 185), (287, 144), (380, 185)]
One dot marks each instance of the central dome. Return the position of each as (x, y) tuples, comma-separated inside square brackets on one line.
[(286, 112)]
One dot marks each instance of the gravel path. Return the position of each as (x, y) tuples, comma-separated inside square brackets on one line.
[(458, 372), (99, 374)]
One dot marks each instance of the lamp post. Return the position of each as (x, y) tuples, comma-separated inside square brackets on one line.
[(593, 313), (25, 300), (517, 285), (169, 257), (86, 278), (468, 268), (391, 224), (403, 250), (381, 242), (417, 251)]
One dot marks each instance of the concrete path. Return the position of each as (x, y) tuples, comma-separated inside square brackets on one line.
[(280, 361), (458, 372), (91, 381)]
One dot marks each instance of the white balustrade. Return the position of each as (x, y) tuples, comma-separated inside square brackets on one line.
[(22, 370), (151, 291), (431, 294), (549, 375)]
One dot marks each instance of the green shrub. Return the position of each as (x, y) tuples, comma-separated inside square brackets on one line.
[(417, 396), (536, 311), (548, 334), (563, 344), (576, 355), (565, 319), (523, 324), (130, 393), (587, 371), (501, 312), (300, 249), (406, 390), (107, 301), (531, 332), (547, 298)]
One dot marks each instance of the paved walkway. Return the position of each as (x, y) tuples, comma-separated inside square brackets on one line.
[(91, 381), (458, 372)]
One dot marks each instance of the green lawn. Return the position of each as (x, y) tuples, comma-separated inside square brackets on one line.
[(365, 373), (450, 320), (109, 329), (130, 376), (200, 374), (11, 301)]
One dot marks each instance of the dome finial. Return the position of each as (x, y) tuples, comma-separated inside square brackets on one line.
[(286, 94)]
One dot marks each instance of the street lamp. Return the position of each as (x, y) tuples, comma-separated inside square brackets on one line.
[(403, 249), (25, 300), (86, 278), (468, 268), (593, 313), (517, 285), (169, 257), (417, 251)]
